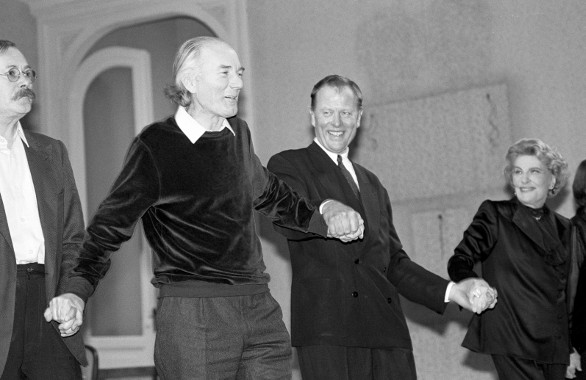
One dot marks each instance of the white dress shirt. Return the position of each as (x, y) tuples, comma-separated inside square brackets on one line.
[(20, 200)]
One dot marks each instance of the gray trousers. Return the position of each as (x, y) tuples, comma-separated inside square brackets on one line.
[(241, 337)]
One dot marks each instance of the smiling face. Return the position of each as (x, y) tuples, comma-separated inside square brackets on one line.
[(531, 180), (215, 83), (335, 117), (16, 98)]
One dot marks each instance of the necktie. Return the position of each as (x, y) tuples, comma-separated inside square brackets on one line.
[(348, 177)]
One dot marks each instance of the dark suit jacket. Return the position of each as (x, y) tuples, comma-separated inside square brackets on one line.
[(579, 312), (530, 319), (347, 294), (63, 228)]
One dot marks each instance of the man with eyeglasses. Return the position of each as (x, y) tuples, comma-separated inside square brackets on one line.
[(41, 231)]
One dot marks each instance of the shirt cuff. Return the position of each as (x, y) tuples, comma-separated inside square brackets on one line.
[(448, 289)]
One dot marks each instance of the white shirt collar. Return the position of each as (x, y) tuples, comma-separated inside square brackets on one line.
[(19, 132), (345, 160), (334, 156), (191, 128)]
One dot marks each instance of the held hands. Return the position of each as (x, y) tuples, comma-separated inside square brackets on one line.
[(474, 294), (343, 222), (574, 366), (67, 309)]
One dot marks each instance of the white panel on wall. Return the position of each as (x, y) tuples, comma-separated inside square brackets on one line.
[(437, 232), (440, 145)]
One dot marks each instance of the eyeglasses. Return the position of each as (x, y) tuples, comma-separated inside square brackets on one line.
[(14, 74)]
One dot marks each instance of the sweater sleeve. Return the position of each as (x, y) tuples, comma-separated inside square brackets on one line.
[(281, 204), (133, 192), (289, 173)]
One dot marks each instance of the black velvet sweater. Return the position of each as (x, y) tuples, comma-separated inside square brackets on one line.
[(197, 203)]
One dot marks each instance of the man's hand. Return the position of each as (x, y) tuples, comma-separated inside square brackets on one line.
[(343, 222), (474, 294), (67, 309), (574, 366)]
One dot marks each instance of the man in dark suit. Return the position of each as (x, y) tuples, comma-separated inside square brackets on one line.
[(346, 318), (41, 229)]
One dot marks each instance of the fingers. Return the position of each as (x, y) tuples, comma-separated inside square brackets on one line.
[(72, 323), (478, 297), (65, 332), (350, 237), (481, 296), (48, 315), (67, 325), (78, 319), (345, 235), (67, 309), (474, 294), (343, 222), (495, 296), (59, 310), (575, 365)]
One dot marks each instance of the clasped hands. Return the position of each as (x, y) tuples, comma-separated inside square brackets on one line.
[(67, 309), (343, 222), (474, 294), (575, 365)]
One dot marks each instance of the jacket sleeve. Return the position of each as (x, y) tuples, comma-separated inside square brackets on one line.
[(476, 245), (414, 282)]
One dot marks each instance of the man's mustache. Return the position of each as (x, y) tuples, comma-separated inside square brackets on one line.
[(25, 92)]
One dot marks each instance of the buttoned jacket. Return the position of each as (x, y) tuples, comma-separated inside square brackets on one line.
[(530, 320), (347, 294)]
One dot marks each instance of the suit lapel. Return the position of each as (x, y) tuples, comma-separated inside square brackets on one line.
[(46, 189), (532, 231), (4, 230), (527, 226), (329, 176)]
